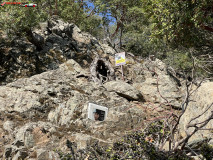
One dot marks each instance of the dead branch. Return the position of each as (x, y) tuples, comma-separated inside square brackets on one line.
[(172, 121), (193, 151), (205, 60), (184, 141), (201, 114), (185, 103)]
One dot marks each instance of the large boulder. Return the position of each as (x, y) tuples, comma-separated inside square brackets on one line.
[(199, 102), (32, 140), (156, 83), (124, 89)]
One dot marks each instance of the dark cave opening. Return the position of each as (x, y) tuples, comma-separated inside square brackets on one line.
[(101, 70)]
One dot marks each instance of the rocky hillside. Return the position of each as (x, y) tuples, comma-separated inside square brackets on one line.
[(49, 46), (49, 78)]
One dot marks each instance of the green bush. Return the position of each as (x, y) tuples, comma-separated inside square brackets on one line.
[(207, 151), (18, 21), (132, 146)]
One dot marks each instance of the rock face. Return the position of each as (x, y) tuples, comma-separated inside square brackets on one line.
[(47, 48), (45, 92), (124, 89), (51, 107), (156, 83), (200, 100)]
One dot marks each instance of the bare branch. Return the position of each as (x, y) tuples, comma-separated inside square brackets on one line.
[(201, 113), (184, 141)]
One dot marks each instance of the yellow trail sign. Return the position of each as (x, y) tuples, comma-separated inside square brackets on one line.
[(120, 59)]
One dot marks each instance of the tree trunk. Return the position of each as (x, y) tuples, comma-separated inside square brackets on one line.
[(56, 7), (121, 34), (50, 7)]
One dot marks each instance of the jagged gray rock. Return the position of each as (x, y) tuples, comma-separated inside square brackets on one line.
[(43, 154), (124, 89), (8, 126), (60, 41), (155, 83), (59, 99), (199, 102)]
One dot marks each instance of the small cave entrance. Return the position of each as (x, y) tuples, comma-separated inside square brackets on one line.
[(101, 70)]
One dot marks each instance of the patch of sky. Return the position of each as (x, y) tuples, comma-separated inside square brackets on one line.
[(111, 19)]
